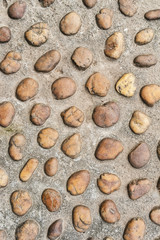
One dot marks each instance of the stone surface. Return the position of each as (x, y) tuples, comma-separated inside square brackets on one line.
[(27, 89), (104, 18), (28, 169), (158, 150), (155, 215), (3, 235), (7, 113), (11, 63), (89, 3), (82, 57), (108, 183), (150, 94), (47, 137), (135, 229), (126, 85), (145, 60), (139, 122), (17, 9), (81, 218), (144, 36), (51, 167), (28, 230), (51, 199), (39, 114), (3, 178), (16, 146), (108, 149), (5, 34), (128, 7), (152, 14), (55, 229), (138, 188), (73, 117), (109, 211), (46, 3), (70, 24)]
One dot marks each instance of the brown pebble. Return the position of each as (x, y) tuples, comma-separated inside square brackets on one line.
[(152, 14), (81, 218), (98, 84), (16, 146), (11, 63), (3, 178), (108, 183), (89, 3), (150, 94), (144, 36), (51, 199), (21, 202), (104, 18), (63, 88), (155, 215), (37, 34), (114, 46), (139, 187), (106, 115), (145, 60), (27, 89), (109, 211), (108, 149), (70, 23), (46, 3), (28, 230), (51, 167), (82, 57), (48, 61), (158, 150), (140, 155), (108, 238), (17, 9), (28, 169), (139, 122), (135, 229), (78, 182), (5, 34), (72, 145), (47, 137), (55, 229), (126, 85), (40, 113), (7, 113), (128, 7), (73, 117), (3, 235)]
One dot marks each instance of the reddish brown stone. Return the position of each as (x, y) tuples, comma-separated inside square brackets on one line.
[(135, 229), (145, 60), (5, 34), (51, 167), (27, 89), (28, 230), (11, 63), (152, 14), (138, 188), (109, 211), (73, 117), (51, 199), (16, 146), (17, 9), (82, 57), (7, 113), (39, 114), (81, 218), (47, 137), (55, 229), (89, 3)]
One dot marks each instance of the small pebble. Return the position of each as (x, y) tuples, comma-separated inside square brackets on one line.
[(11, 63), (48, 61), (28, 230), (104, 18), (108, 149), (55, 229), (16, 146), (109, 211), (73, 117), (150, 94), (78, 182), (106, 115), (47, 137), (72, 145), (27, 89), (145, 60), (89, 3), (139, 122), (128, 7), (3, 178), (158, 150), (81, 218), (155, 215), (98, 84), (138, 188), (63, 88), (135, 229), (108, 238), (3, 235), (21, 202), (153, 14), (144, 36), (37, 34), (5, 34), (17, 9), (108, 183), (46, 3), (7, 112), (70, 23), (28, 169), (39, 114), (82, 57), (51, 199), (51, 167), (126, 85)]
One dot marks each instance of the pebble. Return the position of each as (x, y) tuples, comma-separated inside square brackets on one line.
[(128, 7), (51, 199), (115, 46), (17, 9), (3, 178), (28, 230), (51, 167), (106, 115), (144, 36), (108, 238), (81, 218), (27, 89), (98, 84), (89, 3), (139, 122), (153, 14), (135, 229), (145, 60), (21, 202), (73, 117), (3, 235), (126, 85), (78, 182), (48, 61), (155, 215), (70, 23), (158, 150), (63, 88), (5, 34), (28, 169), (82, 57), (11, 63), (109, 211), (139, 187), (40, 113), (37, 34), (108, 183), (150, 94), (139, 156), (55, 229), (47, 3), (7, 113), (108, 149), (47, 137), (104, 18), (72, 145), (16, 146)]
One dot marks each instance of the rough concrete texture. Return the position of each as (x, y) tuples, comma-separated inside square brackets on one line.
[(94, 38)]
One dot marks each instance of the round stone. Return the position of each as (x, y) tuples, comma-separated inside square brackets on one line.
[(11, 63), (73, 117), (135, 229), (108, 183), (150, 94), (109, 212), (81, 218), (82, 57), (138, 188), (144, 36), (16, 146), (17, 9), (51, 167), (126, 85), (104, 18), (5, 34), (128, 7), (139, 122), (3, 178), (47, 137), (7, 113), (40, 113), (51, 199), (28, 230), (89, 3), (70, 24), (155, 215), (55, 229), (27, 89)]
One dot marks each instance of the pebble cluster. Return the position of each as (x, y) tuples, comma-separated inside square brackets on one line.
[(104, 116)]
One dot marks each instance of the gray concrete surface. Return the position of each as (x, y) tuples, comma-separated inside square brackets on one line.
[(93, 38)]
